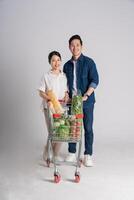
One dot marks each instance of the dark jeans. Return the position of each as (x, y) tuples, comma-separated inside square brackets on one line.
[(88, 123)]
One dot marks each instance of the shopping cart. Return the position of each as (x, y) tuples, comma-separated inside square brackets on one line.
[(66, 127)]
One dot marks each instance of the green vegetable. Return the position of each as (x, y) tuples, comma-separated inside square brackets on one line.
[(62, 121), (63, 131), (62, 127), (56, 124), (76, 104), (67, 122)]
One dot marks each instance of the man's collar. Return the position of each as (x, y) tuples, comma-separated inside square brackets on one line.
[(80, 58)]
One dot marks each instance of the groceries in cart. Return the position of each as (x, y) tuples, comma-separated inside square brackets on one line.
[(68, 125)]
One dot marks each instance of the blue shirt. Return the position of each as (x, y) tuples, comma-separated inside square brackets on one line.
[(86, 76)]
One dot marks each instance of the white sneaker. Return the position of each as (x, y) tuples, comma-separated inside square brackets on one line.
[(59, 158), (88, 161), (71, 157)]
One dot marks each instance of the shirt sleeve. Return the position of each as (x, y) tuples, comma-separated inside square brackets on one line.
[(42, 85), (94, 77), (64, 68)]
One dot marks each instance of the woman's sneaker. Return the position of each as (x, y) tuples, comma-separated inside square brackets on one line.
[(88, 161), (59, 158), (71, 157)]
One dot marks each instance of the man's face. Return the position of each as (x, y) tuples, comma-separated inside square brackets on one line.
[(75, 47)]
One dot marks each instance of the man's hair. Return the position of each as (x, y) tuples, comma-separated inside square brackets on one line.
[(53, 53), (75, 37)]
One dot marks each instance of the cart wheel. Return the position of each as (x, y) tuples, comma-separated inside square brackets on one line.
[(57, 178), (48, 162), (77, 178)]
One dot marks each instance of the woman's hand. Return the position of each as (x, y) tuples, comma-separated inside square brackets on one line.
[(66, 97), (49, 104)]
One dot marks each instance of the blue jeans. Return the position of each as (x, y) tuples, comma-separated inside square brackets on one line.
[(88, 129)]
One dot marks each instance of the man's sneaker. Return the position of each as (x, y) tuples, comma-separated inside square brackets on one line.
[(88, 161), (71, 157)]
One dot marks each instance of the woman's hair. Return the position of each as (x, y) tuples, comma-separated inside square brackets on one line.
[(75, 37), (53, 53)]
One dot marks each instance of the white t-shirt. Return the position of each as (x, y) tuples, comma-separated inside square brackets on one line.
[(75, 83), (57, 83)]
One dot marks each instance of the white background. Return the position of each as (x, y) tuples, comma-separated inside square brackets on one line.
[(29, 31)]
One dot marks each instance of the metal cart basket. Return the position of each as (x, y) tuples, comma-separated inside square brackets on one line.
[(66, 127)]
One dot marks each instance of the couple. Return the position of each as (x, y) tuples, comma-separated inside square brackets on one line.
[(79, 73)]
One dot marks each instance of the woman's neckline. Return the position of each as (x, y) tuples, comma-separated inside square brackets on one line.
[(56, 73)]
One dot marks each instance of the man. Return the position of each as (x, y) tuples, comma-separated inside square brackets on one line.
[(82, 75)]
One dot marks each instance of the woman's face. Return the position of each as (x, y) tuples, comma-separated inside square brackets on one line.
[(55, 62)]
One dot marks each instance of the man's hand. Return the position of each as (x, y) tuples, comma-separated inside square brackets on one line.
[(84, 98)]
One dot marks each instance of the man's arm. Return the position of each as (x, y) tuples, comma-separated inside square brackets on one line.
[(64, 68), (94, 77)]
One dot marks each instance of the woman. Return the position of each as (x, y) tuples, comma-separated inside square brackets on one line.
[(54, 80)]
